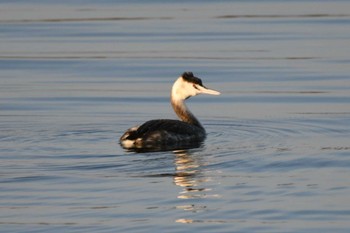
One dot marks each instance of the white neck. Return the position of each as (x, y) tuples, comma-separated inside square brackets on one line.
[(179, 93), (184, 113)]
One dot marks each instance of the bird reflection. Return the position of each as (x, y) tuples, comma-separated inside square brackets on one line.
[(193, 179), (189, 175)]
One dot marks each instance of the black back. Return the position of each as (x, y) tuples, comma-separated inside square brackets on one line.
[(172, 126)]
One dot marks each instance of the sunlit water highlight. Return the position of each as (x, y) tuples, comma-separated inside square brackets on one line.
[(74, 77)]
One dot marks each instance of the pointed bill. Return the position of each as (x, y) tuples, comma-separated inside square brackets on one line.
[(205, 90)]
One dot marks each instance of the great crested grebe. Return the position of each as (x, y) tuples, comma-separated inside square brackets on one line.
[(164, 133)]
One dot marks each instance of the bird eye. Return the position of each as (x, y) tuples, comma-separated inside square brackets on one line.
[(195, 86)]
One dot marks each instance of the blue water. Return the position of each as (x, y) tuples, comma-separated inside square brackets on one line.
[(75, 75)]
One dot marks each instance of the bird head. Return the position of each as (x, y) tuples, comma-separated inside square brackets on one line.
[(188, 85)]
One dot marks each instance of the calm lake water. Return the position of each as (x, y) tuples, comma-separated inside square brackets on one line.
[(75, 75)]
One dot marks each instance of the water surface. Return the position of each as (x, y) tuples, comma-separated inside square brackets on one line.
[(75, 75)]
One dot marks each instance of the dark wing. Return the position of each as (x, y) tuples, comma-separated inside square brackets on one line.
[(159, 135), (171, 126)]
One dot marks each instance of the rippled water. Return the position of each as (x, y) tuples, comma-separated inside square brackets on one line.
[(75, 75)]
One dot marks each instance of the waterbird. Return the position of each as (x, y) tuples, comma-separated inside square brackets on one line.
[(167, 133)]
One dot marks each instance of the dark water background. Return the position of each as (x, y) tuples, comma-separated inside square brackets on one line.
[(75, 75)]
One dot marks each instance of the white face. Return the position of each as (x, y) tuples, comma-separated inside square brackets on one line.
[(183, 89)]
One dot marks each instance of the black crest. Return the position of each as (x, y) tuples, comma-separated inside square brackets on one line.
[(188, 76)]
